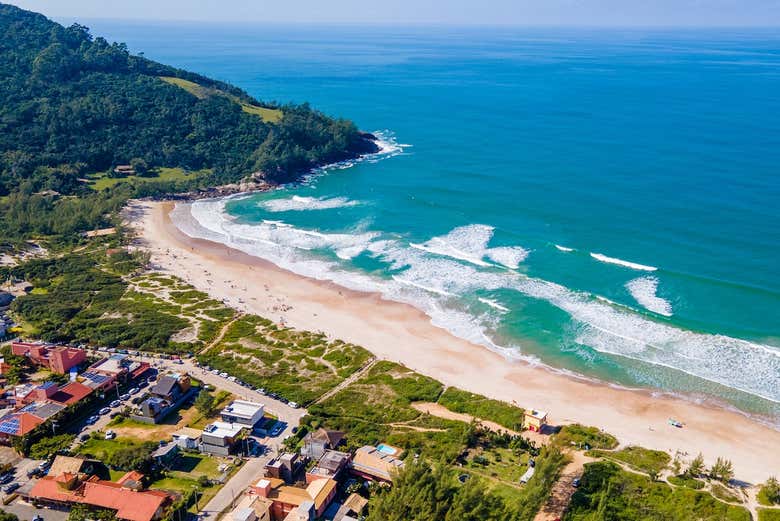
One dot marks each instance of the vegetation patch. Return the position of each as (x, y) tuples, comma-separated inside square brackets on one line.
[(610, 493), (478, 406), (769, 514), (584, 437), (299, 365), (649, 461), (683, 480)]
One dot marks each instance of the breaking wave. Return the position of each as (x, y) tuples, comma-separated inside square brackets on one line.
[(564, 248), (621, 262), (440, 275), (644, 291), (299, 203)]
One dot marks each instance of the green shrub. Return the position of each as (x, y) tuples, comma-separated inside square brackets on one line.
[(580, 435), (483, 408)]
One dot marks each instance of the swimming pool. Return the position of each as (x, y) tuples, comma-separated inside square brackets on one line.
[(387, 449)]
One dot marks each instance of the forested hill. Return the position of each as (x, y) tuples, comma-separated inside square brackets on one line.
[(72, 105)]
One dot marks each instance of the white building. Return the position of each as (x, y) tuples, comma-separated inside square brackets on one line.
[(244, 412)]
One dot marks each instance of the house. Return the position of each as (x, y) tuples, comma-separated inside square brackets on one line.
[(169, 393), (40, 392), (250, 508), (243, 412), (187, 438), (219, 437), (282, 499), (171, 387), (15, 425), (329, 466), (42, 410), (317, 442), (535, 420), (353, 506), (375, 463), (284, 467), (124, 170), (119, 367), (71, 393), (166, 454), (58, 359), (125, 496), (71, 465)]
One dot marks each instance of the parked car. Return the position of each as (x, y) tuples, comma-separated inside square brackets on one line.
[(151, 379), (215, 371), (142, 384), (125, 397), (7, 478), (92, 420), (178, 361), (110, 435), (115, 403), (137, 400), (231, 378), (44, 465), (84, 437), (294, 405), (34, 473), (104, 411), (575, 483), (11, 487), (223, 374), (134, 390)]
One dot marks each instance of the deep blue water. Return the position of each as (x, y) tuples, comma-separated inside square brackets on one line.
[(660, 148)]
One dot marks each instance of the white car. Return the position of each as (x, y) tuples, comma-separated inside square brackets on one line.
[(231, 378), (293, 405), (110, 435), (223, 374)]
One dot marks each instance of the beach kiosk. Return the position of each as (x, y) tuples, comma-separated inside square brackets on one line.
[(535, 420)]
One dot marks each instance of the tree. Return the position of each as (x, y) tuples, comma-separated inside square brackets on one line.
[(722, 470), (771, 490), (205, 403), (8, 516), (696, 468), (139, 166), (48, 446)]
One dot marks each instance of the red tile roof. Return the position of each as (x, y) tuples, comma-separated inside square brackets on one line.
[(128, 504), (71, 393), (19, 424)]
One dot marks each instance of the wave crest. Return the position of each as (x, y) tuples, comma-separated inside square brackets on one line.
[(299, 203)]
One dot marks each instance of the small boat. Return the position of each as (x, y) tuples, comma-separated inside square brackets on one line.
[(675, 423)]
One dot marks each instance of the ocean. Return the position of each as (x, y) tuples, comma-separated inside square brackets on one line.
[(602, 202)]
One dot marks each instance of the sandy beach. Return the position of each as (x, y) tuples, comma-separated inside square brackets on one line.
[(401, 333)]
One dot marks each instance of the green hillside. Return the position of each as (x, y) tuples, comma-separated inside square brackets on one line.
[(73, 106)]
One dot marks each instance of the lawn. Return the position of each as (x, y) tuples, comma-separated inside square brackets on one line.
[(101, 181), (201, 92), (184, 476), (104, 450), (499, 463)]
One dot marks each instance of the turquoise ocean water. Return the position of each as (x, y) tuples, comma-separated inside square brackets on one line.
[(603, 202)]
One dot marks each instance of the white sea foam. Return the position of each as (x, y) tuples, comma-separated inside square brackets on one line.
[(644, 290), (509, 256), (433, 282), (299, 203), (621, 262), (470, 244), (564, 248), (494, 304)]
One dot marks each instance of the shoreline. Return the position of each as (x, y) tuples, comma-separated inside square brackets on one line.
[(401, 333)]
